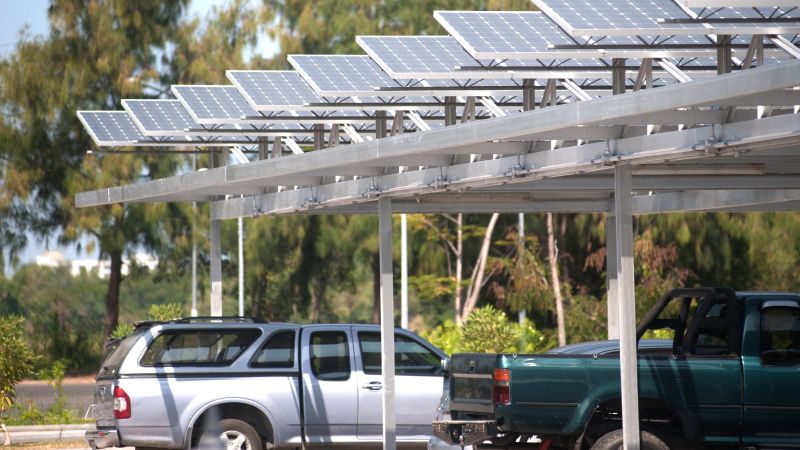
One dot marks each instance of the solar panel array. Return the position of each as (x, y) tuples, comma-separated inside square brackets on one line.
[(486, 54)]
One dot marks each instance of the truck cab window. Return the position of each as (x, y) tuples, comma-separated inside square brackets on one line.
[(780, 335), (330, 357), (410, 357), (276, 353)]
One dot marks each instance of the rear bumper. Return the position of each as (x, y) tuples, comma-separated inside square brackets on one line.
[(102, 439), (464, 432)]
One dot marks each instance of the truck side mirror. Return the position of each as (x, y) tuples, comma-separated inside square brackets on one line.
[(446, 367)]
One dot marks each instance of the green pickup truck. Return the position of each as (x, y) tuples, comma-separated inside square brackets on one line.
[(728, 377)]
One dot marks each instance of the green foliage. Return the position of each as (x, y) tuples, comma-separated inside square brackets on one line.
[(488, 330), (165, 312), (16, 359), (122, 330)]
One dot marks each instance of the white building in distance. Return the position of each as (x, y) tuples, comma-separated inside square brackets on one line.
[(101, 268)]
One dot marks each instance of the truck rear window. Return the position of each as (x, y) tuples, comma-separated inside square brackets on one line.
[(116, 354), (198, 347)]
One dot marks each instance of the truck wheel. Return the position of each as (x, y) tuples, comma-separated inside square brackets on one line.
[(613, 441), (230, 434)]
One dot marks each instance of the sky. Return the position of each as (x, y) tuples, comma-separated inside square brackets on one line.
[(18, 14)]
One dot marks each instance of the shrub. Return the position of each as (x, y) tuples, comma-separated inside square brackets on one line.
[(16, 359), (488, 330)]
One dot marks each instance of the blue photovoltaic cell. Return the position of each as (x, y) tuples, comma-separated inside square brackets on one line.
[(159, 116), (273, 89), (214, 104)]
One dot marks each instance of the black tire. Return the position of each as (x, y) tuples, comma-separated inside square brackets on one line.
[(613, 441), (225, 431)]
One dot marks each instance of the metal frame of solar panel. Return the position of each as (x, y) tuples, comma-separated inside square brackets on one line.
[(640, 18)]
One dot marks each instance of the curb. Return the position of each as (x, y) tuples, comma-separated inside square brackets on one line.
[(36, 433)]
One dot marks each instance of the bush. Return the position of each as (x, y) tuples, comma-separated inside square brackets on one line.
[(16, 359), (488, 330)]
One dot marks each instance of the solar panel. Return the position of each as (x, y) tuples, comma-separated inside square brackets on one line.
[(273, 90), (432, 57), (117, 129), (738, 3), (342, 75), (640, 18), (159, 117), (214, 104)]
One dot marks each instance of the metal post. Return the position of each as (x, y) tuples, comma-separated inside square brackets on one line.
[(611, 277), (241, 266), (528, 94), (522, 314), (387, 321), (623, 201), (618, 76), (194, 246), (215, 255), (404, 270), (724, 54)]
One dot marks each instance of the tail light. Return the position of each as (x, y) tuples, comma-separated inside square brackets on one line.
[(502, 387), (122, 404)]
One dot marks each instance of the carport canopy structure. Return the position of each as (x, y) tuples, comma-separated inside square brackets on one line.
[(529, 137)]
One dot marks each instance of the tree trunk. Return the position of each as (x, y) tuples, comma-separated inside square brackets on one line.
[(376, 288), (112, 295), (459, 266), (476, 281), (552, 255)]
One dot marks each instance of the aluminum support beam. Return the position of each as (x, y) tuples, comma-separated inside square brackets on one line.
[(387, 322), (611, 277), (215, 258), (627, 307), (714, 200)]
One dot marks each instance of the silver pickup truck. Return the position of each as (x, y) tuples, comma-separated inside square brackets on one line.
[(260, 386)]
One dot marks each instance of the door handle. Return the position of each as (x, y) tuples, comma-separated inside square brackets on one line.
[(372, 386)]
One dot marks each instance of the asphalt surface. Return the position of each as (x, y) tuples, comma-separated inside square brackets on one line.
[(78, 393)]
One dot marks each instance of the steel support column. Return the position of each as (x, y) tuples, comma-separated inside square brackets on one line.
[(623, 207), (724, 54), (611, 277), (215, 257), (618, 76), (404, 270), (387, 321)]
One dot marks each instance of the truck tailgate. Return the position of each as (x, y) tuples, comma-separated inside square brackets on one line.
[(471, 382)]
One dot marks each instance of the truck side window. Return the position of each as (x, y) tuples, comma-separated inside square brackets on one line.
[(276, 353), (330, 357), (198, 347), (780, 336), (410, 357)]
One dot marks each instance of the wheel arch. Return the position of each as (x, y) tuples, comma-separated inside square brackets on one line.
[(653, 412), (235, 408)]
